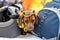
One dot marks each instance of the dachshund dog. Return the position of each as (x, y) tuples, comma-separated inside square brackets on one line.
[(29, 21), (2, 3)]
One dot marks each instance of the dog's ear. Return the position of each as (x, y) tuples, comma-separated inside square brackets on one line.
[(36, 17), (20, 18)]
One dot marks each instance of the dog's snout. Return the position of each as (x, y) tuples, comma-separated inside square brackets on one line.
[(30, 27)]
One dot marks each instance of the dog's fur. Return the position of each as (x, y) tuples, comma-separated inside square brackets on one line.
[(2, 3), (28, 21)]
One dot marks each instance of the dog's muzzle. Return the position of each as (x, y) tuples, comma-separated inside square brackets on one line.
[(30, 29)]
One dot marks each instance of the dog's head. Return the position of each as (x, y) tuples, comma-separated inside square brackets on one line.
[(29, 20)]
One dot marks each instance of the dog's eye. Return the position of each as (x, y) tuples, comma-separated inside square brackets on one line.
[(26, 12), (33, 21), (26, 21)]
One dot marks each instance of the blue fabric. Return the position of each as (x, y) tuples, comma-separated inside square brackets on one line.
[(6, 3), (0, 0), (56, 0), (48, 24), (55, 4)]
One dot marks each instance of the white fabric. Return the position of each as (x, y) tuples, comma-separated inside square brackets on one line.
[(29, 37), (49, 39)]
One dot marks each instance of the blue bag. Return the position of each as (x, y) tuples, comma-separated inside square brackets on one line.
[(48, 25), (54, 3)]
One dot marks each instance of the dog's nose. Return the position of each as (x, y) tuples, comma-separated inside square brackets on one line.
[(30, 27)]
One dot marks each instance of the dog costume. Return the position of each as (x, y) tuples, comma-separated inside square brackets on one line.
[(36, 5), (26, 14)]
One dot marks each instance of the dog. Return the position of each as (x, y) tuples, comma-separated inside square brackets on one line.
[(2, 3), (29, 20)]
